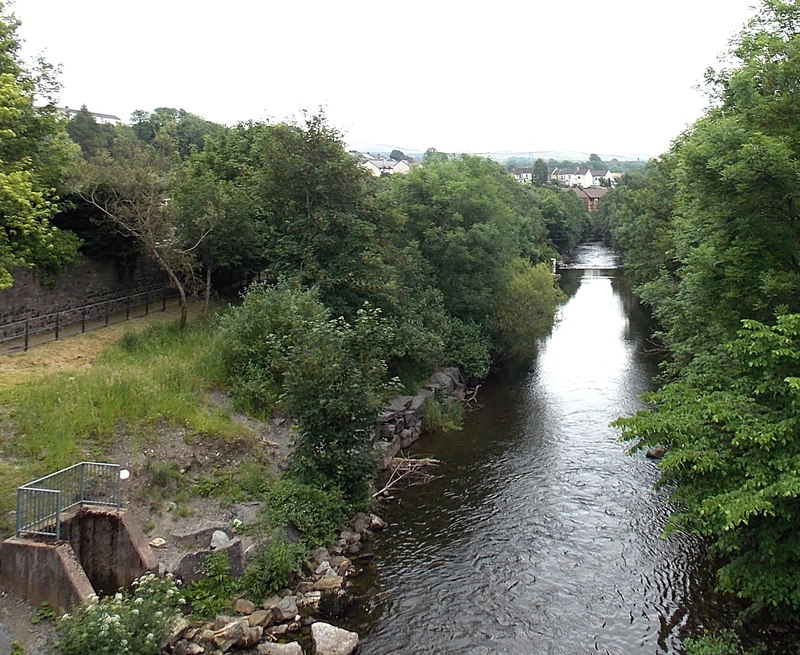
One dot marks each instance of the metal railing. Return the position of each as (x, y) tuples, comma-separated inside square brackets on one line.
[(41, 503), (86, 317)]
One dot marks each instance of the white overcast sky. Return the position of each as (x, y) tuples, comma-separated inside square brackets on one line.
[(603, 76)]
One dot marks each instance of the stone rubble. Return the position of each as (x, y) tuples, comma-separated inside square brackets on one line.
[(260, 629)]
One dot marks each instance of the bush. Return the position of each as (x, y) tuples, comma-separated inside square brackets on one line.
[(468, 348), (214, 591), (271, 568), (134, 623), (441, 414), (316, 514)]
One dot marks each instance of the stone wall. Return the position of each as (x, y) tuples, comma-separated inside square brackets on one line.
[(85, 282), (400, 424)]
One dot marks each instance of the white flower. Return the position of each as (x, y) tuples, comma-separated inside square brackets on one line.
[(150, 636), (138, 601)]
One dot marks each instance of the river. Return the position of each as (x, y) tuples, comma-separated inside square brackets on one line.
[(540, 535)]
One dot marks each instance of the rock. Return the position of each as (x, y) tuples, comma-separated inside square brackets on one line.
[(219, 540), (286, 609), (227, 637), (195, 649), (158, 542), (376, 523), (327, 583), (260, 617), (320, 555), (271, 602), (181, 648), (334, 603), (277, 630), (292, 648), (441, 381), (189, 567), (247, 513), (221, 620), (244, 606), (407, 437), (353, 549), (330, 640), (251, 637), (656, 452), (323, 569), (294, 626), (360, 522), (197, 537), (400, 403)]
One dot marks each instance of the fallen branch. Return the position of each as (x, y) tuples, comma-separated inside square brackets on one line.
[(403, 468)]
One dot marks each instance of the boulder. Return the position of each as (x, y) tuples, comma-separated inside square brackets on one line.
[(227, 637), (400, 403), (219, 540), (189, 567), (260, 617), (376, 523), (330, 640), (656, 452), (328, 582), (286, 609), (244, 606)]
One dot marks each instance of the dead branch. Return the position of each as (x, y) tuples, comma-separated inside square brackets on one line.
[(408, 468)]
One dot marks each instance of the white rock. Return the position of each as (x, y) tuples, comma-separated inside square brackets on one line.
[(219, 540), (330, 640)]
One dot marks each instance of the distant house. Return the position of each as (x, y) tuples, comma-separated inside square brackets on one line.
[(590, 196), (524, 175), (100, 119), (581, 177), (378, 165)]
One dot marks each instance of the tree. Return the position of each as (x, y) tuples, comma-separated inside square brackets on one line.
[(129, 186), (540, 172), (88, 134), (34, 154), (397, 155)]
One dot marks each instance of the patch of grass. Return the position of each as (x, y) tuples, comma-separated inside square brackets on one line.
[(148, 377), (248, 481), (316, 514), (441, 414)]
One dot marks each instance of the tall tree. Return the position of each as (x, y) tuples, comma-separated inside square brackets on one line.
[(129, 185), (540, 172)]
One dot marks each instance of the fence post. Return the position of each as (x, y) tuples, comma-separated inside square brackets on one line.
[(163, 300), (83, 481), (27, 332), (146, 303), (58, 516), (20, 509), (57, 325), (107, 312), (127, 308), (83, 319)]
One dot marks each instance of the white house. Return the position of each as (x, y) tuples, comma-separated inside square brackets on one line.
[(524, 175), (378, 166), (100, 119), (582, 177)]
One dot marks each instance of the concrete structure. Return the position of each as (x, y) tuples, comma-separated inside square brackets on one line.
[(102, 551)]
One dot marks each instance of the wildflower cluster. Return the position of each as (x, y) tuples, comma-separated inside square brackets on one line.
[(130, 623)]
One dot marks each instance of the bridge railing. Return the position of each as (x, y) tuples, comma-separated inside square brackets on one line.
[(41, 503)]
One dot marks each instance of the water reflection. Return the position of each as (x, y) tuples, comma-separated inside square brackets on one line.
[(541, 536)]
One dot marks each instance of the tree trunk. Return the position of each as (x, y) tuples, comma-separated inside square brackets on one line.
[(207, 299)]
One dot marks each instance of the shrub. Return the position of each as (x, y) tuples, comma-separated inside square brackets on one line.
[(128, 623), (441, 414), (316, 514), (214, 591), (468, 348), (271, 568)]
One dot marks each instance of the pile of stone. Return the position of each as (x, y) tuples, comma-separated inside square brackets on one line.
[(272, 628), (400, 424)]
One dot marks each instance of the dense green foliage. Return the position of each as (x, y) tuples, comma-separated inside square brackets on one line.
[(711, 239), (34, 154)]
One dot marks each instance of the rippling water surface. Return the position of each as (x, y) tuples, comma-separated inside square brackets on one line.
[(541, 535)]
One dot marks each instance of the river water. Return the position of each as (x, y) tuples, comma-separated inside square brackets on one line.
[(541, 535)]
